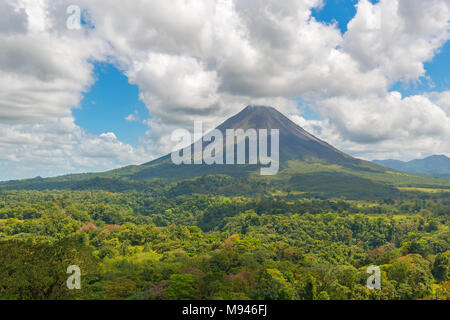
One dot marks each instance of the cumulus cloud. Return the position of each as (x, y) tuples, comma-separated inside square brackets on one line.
[(365, 120), (43, 76), (14, 19), (442, 99), (397, 36), (206, 60), (256, 49), (133, 117)]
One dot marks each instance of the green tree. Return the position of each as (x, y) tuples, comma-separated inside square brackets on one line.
[(181, 287), (440, 267)]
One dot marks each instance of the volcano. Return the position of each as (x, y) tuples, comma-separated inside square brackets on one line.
[(306, 164), (295, 142), (296, 146)]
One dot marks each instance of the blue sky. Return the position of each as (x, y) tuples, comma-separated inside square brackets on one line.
[(201, 66), (112, 98), (437, 77)]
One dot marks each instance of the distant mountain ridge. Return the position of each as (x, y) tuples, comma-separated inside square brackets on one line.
[(436, 165)]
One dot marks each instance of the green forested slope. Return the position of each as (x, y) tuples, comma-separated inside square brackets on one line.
[(140, 246)]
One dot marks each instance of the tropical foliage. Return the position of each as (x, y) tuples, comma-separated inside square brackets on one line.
[(149, 245)]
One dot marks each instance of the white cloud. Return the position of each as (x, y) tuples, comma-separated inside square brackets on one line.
[(14, 19), (405, 148), (44, 72), (205, 60), (442, 99), (397, 36), (375, 118), (132, 117)]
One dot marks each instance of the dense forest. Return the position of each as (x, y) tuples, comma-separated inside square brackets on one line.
[(178, 245)]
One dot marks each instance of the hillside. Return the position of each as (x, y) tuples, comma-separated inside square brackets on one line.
[(437, 165), (307, 165)]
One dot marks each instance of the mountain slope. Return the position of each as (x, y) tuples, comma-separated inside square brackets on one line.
[(307, 165), (296, 145), (437, 165)]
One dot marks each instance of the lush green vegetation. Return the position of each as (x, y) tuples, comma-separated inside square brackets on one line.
[(365, 181), (166, 243)]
